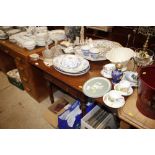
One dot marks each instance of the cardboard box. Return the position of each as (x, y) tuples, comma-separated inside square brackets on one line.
[(107, 123), (52, 113)]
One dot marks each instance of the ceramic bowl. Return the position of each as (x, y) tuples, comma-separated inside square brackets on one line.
[(144, 57), (120, 55), (85, 49), (94, 52)]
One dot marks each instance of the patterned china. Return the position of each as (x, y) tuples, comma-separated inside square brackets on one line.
[(114, 99), (107, 70), (124, 88), (71, 64), (103, 47)]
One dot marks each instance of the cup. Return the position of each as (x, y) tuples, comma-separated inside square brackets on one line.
[(94, 52), (124, 86), (114, 96), (85, 49), (109, 68)]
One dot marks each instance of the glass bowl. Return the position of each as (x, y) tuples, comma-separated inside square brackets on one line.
[(144, 57)]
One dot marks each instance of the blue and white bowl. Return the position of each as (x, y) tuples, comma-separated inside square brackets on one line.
[(85, 50)]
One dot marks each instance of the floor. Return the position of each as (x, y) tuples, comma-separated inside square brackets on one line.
[(18, 110)]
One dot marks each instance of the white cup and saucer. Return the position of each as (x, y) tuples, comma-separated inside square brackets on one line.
[(107, 70), (114, 99), (124, 87)]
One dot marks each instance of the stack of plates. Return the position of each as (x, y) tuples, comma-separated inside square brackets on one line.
[(57, 35), (42, 38), (71, 64), (13, 31)]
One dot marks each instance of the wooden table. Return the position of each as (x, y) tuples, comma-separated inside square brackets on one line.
[(70, 84), (12, 56), (128, 114)]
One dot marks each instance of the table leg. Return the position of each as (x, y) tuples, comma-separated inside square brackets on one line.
[(83, 108), (50, 90)]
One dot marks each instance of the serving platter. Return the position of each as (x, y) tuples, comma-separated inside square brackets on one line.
[(103, 45)]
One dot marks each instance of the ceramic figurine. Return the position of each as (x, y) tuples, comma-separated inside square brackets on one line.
[(117, 74)]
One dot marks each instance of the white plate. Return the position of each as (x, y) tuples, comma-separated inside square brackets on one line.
[(82, 63), (124, 93), (117, 104), (96, 87), (73, 74)]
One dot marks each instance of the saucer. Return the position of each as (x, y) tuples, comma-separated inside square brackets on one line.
[(123, 93), (116, 104), (103, 73), (129, 76)]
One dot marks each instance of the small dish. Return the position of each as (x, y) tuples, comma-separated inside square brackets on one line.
[(114, 99), (124, 87)]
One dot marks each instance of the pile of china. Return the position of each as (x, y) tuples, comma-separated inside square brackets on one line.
[(73, 65)]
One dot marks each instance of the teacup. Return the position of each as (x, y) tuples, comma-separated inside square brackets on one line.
[(114, 96), (109, 68), (85, 49), (124, 86), (94, 52)]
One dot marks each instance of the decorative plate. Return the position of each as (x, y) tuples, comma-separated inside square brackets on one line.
[(96, 87), (70, 63)]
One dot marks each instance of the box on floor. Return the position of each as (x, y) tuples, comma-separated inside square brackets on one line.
[(52, 113)]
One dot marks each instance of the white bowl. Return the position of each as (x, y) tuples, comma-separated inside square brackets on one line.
[(120, 55)]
